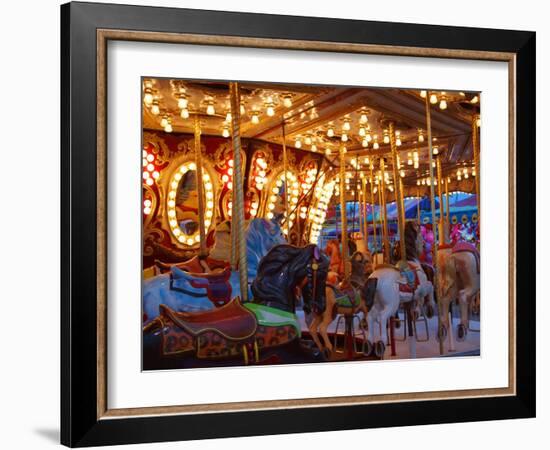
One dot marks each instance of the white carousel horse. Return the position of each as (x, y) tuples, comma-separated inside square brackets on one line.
[(457, 278), (388, 287)]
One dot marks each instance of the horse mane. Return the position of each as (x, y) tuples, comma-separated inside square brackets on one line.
[(281, 268)]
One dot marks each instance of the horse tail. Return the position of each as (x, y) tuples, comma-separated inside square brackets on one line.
[(369, 289)]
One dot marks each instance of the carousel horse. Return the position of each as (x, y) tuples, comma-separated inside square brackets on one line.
[(457, 278), (184, 291), (389, 286), (269, 320), (347, 299)]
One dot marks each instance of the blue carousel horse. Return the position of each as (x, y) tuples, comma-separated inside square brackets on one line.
[(184, 291)]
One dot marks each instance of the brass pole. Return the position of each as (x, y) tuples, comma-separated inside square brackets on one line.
[(375, 244), (344, 217), (398, 198), (432, 204), (447, 207), (285, 168), (238, 194), (200, 187), (402, 199), (384, 210), (418, 205), (442, 225), (365, 214), (475, 144)]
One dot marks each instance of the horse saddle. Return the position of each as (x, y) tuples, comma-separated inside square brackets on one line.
[(346, 297), (232, 321), (461, 247), (410, 275), (215, 286)]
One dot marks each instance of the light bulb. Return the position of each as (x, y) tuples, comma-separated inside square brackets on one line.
[(242, 109), (443, 104), (435, 150), (362, 131), (330, 132), (287, 101), (184, 113), (210, 109), (313, 148), (346, 126), (308, 140), (182, 102), (344, 137), (364, 118), (420, 137), (225, 132), (255, 118), (365, 143), (163, 122), (475, 99), (228, 117), (398, 141), (155, 109), (386, 139), (433, 99), (423, 94), (148, 97), (478, 122), (270, 111), (168, 128), (375, 145), (298, 143)]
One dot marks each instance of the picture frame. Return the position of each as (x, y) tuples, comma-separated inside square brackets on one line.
[(86, 28)]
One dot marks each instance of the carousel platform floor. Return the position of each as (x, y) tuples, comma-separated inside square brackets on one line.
[(428, 349)]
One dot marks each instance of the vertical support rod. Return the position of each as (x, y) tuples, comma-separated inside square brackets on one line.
[(285, 168), (344, 217), (475, 144), (200, 187), (432, 204), (398, 197), (365, 213), (372, 204), (447, 207), (238, 194), (442, 226), (382, 187)]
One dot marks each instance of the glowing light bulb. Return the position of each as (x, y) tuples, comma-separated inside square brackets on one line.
[(362, 131), (184, 114), (228, 117), (287, 101), (375, 146), (435, 150), (225, 132), (164, 122), (270, 111), (148, 97), (475, 99), (155, 109), (365, 143), (423, 94), (298, 143), (168, 128), (386, 139), (346, 126), (255, 118), (443, 104), (364, 118), (183, 102), (344, 137), (308, 140), (433, 99)]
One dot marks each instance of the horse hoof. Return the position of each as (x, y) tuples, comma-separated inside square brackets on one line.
[(367, 348), (379, 349), (429, 311), (461, 333), (442, 335)]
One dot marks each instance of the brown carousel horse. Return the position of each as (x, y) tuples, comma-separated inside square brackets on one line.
[(458, 269)]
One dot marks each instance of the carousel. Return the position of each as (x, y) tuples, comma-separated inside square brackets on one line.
[(287, 223)]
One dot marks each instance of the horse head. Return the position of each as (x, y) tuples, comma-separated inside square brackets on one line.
[(286, 267)]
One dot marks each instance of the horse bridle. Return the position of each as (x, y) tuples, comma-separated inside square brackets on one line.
[(314, 265)]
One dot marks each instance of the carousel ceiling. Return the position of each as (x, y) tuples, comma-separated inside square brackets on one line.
[(323, 119)]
